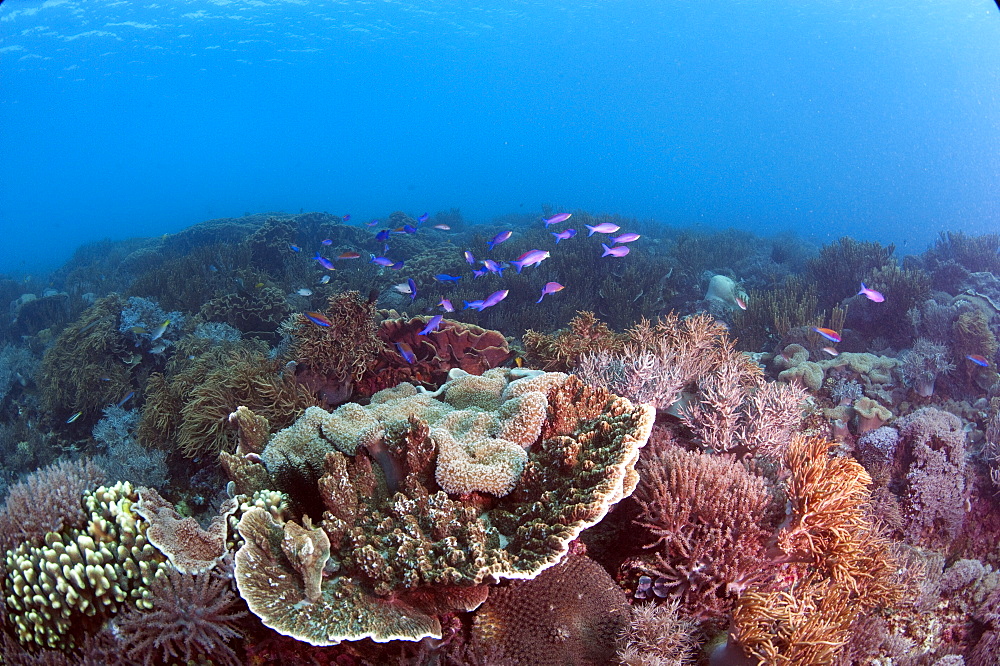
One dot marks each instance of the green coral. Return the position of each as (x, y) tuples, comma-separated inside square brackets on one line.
[(59, 592)]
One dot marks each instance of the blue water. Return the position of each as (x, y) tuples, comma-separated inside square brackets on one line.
[(828, 118)]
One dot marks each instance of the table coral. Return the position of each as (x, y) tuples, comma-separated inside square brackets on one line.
[(399, 555)]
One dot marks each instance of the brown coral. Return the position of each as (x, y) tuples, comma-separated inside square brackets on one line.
[(569, 614), (563, 350)]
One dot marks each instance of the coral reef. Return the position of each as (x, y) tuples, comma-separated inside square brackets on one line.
[(564, 349), (422, 549), (657, 636), (921, 365)]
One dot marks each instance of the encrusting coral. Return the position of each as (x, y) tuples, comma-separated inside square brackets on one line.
[(570, 613), (403, 548)]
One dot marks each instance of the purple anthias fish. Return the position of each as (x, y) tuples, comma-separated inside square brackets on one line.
[(324, 262), (423, 218), (556, 219), (499, 238), (406, 352), (413, 288), (871, 294), (479, 272), (625, 238), (487, 302), (616, 251), (446, 305), (383, 235), (432, 325), (549, 288), (346, 218), (563, 235), (530, 258), (384, 261), (603, 228), (444, 277), (469, 258), (493, 267), (372, 223), (408, 229)]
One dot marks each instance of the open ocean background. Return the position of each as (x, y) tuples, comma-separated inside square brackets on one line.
[(876, 120)]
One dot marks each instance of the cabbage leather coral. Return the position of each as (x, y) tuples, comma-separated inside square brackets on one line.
[(452, 345), (415, 528), (923, 364)]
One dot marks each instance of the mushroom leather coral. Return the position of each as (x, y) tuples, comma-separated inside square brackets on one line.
[(402, 555)]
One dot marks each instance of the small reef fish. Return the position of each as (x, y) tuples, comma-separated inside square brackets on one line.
[(432, 325), (446, 305), (444, 277), (493, 267), (563, 235), (549, 288), (442, 227), (487, 302), (406, 352), (158, 349), (383, 261), (128, 397), (871, 294), (324, 262), (317, 318), (346, 218), (625, 238), (479, 272), (74, 417), (372, 223), (413, 288), (831, 351), (406, 229), (382, 236), (556, 219), (324, 279), (349, 255), (828, 333), (306, 292), (327, 241), (294, 248), (259, 285), (602, 228), (499, 238), (530, 258), (616, 251), (423, 218), (469, 258), (978, 360), (740, 302), (159, 331), (135, 330), (402, 288)]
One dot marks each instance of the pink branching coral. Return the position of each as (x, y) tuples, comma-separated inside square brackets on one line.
[(48, 500), (705, 518), (193, 617)]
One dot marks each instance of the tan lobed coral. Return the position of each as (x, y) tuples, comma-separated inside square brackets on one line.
[(402, 548)]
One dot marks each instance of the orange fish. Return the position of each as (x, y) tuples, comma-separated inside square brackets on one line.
[(317, 318), (741, 303), (828, 333), (349, 255)]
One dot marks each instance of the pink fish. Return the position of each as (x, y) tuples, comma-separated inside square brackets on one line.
[(563, 235), (625, 238), (446, 305), (499, 238), (432, 325), (530, 258), (871, 294), (603, 228), (493, 267), (469, 258), (383, 261), (827, 333), (740, 303), (616, 251), (556, 219), (550, 288), (493, 299)]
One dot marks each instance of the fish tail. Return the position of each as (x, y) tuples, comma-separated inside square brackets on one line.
[(607, 250), (540, 298), (591, 230), (517, 265)]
